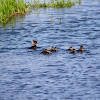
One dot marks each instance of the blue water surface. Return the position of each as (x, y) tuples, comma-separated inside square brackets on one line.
[(28, 75)]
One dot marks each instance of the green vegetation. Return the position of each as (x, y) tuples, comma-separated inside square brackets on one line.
[(55, 3), (60, 19), (8, 8)]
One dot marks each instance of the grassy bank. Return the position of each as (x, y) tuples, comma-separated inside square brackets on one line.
[(8, 8), (56, 3)]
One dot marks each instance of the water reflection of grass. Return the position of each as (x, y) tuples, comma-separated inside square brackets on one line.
[(12, 21), (56, 3)]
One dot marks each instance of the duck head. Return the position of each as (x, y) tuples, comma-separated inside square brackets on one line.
[(34, 42), (52, 48), (55, 49), (70, 48), (81, 48)]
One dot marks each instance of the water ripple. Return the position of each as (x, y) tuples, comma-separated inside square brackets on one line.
[(27, 74)]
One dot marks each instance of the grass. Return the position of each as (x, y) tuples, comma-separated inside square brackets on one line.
[(56, 3), (8, 8)]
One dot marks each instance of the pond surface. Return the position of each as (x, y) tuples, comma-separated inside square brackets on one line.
[(28, 75)]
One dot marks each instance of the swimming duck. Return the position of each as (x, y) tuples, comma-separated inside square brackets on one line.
[(73, 51), (70, 49), (53, 49), (45, 52), (34, 45), (81, 49)]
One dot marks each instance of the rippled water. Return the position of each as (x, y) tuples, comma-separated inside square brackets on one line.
[(28, 75)]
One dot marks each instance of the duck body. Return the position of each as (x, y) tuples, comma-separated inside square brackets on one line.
[(33, 47), (45, 52), (81, 49), (53, 51), (73, 51), (70, 49)]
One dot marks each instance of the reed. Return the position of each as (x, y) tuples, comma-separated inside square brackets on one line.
[(8, 8), (56, 3)]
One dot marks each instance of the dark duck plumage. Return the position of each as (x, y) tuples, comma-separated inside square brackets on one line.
[(34, 45), (73, 51), (70, 49), (45, 52), (81, 49), (53, 49)]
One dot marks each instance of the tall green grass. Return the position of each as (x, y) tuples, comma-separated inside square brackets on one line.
[(56, 3), (8, 8)]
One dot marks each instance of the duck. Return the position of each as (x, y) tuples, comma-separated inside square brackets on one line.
[(73, 51), (53, 49), (46, 52), (34, 45), (70, 49), (81, 49)]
